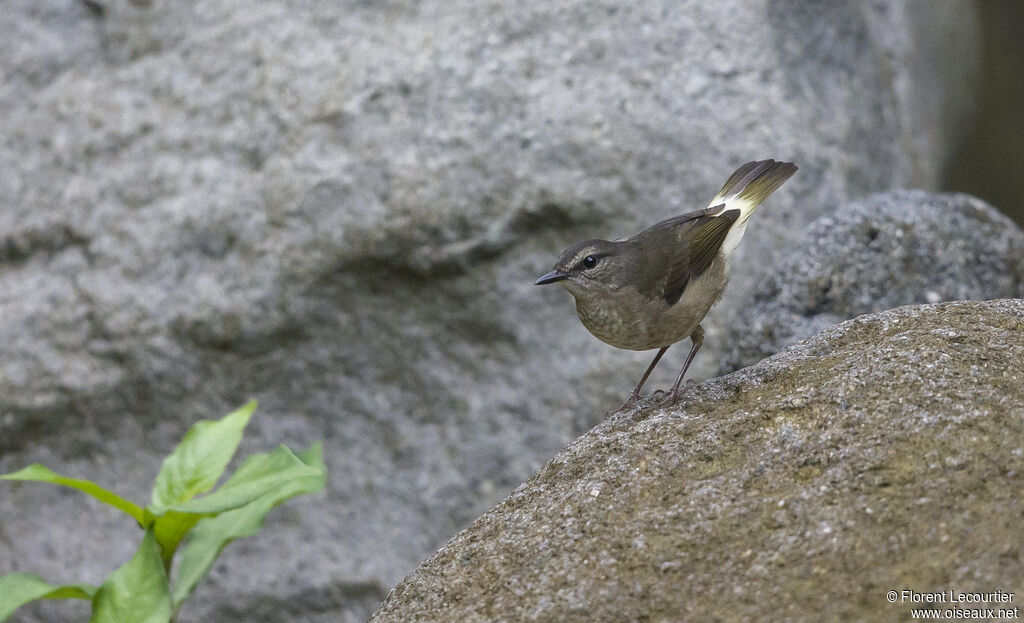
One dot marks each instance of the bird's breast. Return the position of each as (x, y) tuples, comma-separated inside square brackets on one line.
[(625, 318), (611, 318)]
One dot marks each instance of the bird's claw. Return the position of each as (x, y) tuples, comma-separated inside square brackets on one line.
[(659, 397), (627, 404), (673, 395)]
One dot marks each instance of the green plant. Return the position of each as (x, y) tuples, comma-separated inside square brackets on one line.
[(140, 591)]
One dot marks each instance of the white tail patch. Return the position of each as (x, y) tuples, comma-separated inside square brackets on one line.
[(746, 208), (745, 190)]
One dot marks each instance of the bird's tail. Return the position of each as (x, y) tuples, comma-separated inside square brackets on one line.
[(746, 189), (751, 184)]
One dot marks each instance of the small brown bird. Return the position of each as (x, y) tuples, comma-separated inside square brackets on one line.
[(655, 288)]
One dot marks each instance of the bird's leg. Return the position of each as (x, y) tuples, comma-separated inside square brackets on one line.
[(697, 339), (643, 379), (633, 397)]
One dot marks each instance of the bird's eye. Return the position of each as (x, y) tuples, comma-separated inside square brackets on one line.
[(590, 261)]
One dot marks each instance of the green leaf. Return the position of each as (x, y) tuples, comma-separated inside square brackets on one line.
[(212, 535), (170, 528), (40, 473), (17, 589), (137, 592), (257, 475), (199, 460)]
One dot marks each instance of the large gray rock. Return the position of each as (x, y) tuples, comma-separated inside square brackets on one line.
[(890, 249), (340, 208), (887, 453)]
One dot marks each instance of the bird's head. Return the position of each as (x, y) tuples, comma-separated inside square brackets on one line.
[(592, 266)]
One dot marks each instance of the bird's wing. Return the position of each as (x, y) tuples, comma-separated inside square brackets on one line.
[(699, 242), (676, 221)]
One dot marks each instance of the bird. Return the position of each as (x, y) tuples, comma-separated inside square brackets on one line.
[(654, 289)]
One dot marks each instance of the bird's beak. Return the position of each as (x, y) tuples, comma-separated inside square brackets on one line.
[(551, 277)]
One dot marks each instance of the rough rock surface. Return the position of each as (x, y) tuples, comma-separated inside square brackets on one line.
[(887, 453), (340, 207), (890, 249)]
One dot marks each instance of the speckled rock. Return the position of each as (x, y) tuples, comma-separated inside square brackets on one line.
[(894, 248), (340, 207), (887, 453)]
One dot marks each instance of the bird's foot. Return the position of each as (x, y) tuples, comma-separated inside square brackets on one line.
[(628, 404), (658, 397), (673, 395)]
